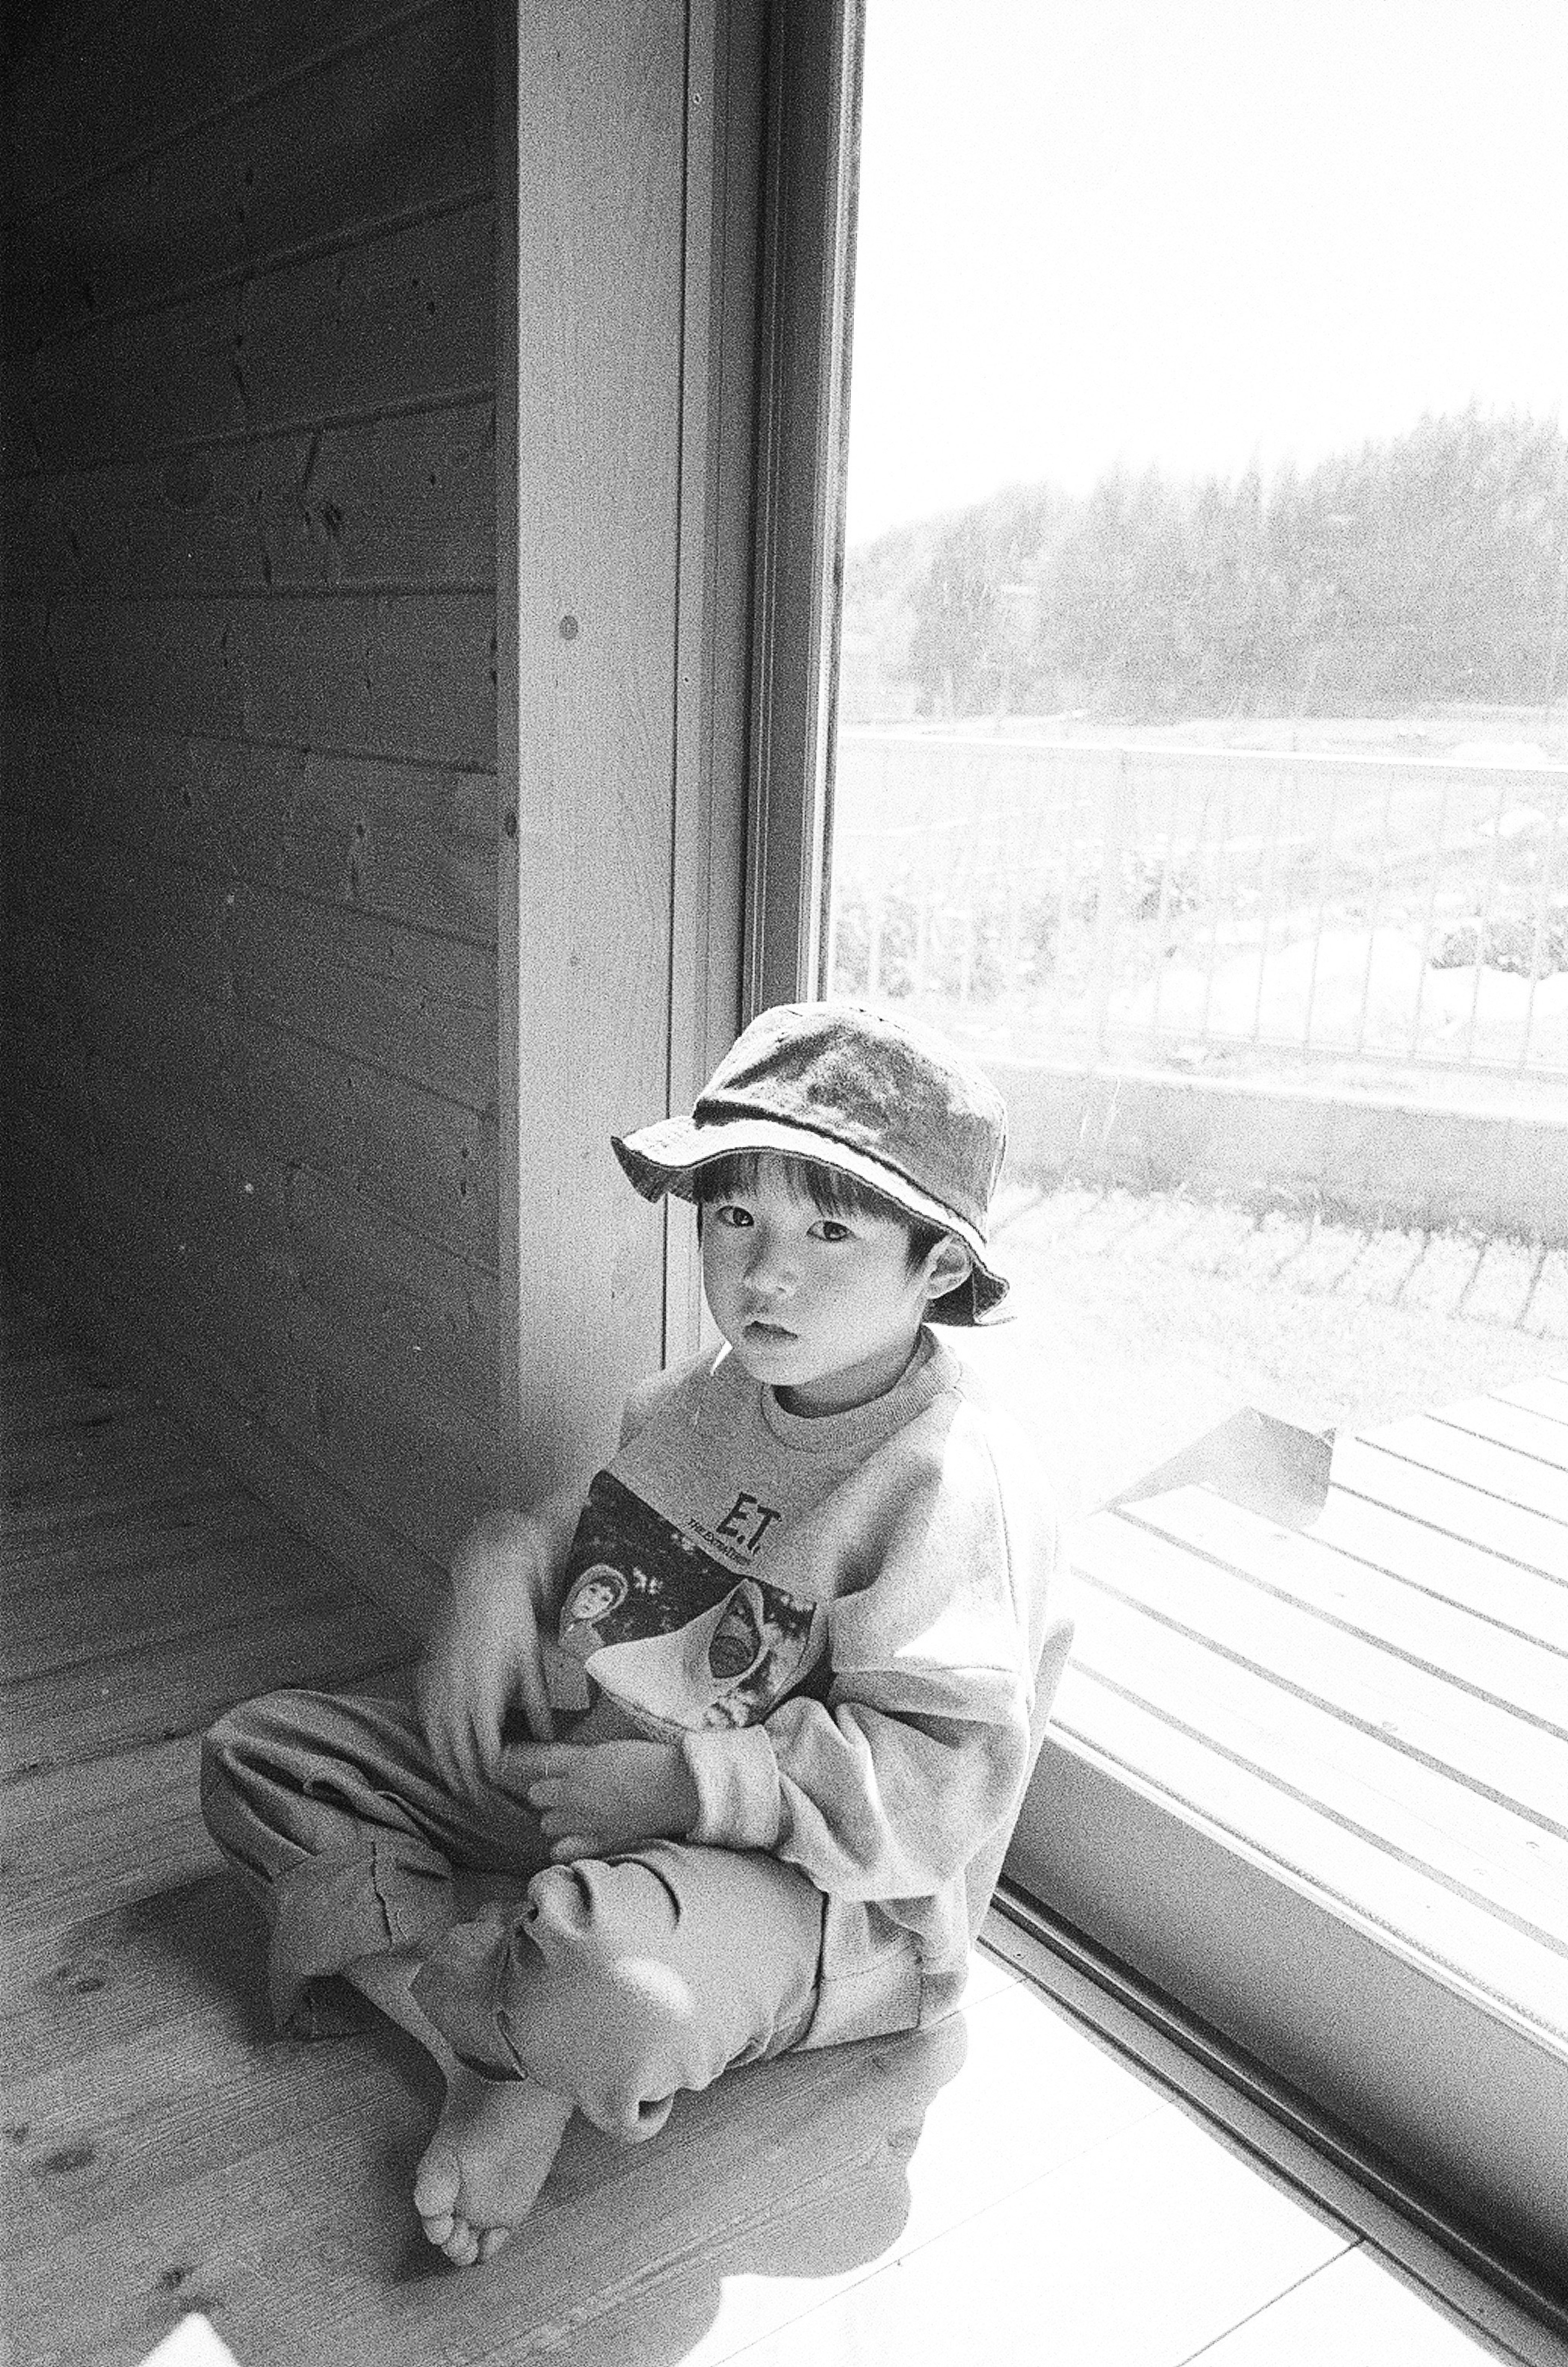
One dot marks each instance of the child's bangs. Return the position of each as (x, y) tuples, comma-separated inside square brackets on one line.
[(827, 1189)]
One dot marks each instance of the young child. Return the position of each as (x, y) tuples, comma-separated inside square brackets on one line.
[(740, 1742)]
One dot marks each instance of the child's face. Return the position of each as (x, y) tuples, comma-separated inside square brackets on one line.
[(823, 1309)]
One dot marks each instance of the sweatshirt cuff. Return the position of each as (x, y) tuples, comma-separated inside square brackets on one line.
[(737, 1778)]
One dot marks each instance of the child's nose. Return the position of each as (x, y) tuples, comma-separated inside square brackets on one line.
[(771, 1268)]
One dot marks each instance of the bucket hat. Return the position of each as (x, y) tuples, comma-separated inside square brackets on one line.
[(880, 1099)]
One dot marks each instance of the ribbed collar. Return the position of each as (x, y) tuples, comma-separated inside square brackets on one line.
[(855, 1435)]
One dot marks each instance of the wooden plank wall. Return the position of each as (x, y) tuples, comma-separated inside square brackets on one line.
[(249, 813)]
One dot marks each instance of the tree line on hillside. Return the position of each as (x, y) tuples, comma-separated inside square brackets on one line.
[(1428, 567)]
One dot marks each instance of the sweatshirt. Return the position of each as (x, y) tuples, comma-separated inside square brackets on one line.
[(848, 1625)]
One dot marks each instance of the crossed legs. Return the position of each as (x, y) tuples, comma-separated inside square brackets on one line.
[(603, 1986)]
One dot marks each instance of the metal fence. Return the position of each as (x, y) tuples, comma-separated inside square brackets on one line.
[(1106, 902)]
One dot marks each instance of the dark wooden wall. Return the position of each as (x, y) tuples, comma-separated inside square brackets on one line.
[(250, 741)]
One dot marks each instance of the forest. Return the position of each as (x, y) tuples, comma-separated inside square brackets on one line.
[(1431, 566)]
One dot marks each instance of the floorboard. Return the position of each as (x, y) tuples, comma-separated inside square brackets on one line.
[(1004, 2187), (1350, 2313), (1509, 1474), (1148, 2248), (1419, 1813), (1455, 1507), (1449, 1570), (1513, 1672), (1511, 1426)]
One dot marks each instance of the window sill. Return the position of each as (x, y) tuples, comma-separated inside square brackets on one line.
[(1295, 1789)]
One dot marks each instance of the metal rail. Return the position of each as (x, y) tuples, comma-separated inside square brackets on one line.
[(1208, 905)]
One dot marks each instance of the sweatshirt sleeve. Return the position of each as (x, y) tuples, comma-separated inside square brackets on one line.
[(919, 1753)]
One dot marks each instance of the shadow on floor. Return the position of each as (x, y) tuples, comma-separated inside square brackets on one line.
[(176, 2157)]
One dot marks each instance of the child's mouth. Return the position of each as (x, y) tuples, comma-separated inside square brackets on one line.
[(774, 1333)]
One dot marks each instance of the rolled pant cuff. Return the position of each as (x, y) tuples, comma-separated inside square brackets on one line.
[(459, 1989), (328, 1913)]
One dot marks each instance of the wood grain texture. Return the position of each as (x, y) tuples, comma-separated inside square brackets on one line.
[(1450, 1569), (714, 636), (1507, 1757), (187, 1568), (407, 676), (89, 1841), (383, 503), (1518, 1974), (1425, 1816), (244, 1121), (593, 395), (1513, 1672), (338, 1520), (99, 1470), (402, 319), (405, 118), (1531, 1434), (149, 89), (1498, 1468), (140, 1696), (418, 1007), (423, 1316), (1547, 1395), (411, 843), (1454, 1507)]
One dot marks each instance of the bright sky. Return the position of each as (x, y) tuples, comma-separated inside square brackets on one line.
[(1197, 232)]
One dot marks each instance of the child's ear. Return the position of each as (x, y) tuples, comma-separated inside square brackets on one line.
[(948, 1267)]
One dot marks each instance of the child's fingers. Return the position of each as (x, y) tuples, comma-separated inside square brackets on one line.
[(557, 1806), (575, 1845)]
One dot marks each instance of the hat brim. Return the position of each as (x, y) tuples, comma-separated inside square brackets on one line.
[(668, 1156)]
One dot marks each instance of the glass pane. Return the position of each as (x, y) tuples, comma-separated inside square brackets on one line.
[(1204, 681), (1203, 704), (1202, 762)]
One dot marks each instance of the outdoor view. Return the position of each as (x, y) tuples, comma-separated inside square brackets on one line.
[(1204, 692), (1204, 678)]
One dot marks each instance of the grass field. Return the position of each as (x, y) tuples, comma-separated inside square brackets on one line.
[(1144, 1321)]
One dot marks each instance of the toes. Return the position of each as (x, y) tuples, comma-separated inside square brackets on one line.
[(462, 2243), (462, 2246), (437, 2183)]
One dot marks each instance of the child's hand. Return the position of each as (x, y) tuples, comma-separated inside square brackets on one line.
[(594, 1796), (485, 1655)]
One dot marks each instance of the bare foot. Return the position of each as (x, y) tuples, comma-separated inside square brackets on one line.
[(484, 2168), (495, 2139)]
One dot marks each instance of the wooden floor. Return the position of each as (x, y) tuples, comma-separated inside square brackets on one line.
[(1005, 2188), (1378, 1703)]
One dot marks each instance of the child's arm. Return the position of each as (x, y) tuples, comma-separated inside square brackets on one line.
[(919, 1755), (484, 1653), (590, 1797)]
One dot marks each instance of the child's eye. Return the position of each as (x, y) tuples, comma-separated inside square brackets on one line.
[(727, 1213), (830, 1229)]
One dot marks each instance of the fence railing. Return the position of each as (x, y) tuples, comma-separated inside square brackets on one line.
[(1102, 903)]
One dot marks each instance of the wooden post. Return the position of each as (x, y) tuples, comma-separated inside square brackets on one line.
[(619, 855)]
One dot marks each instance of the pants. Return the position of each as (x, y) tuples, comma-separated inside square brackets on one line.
[(616, 1982)]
